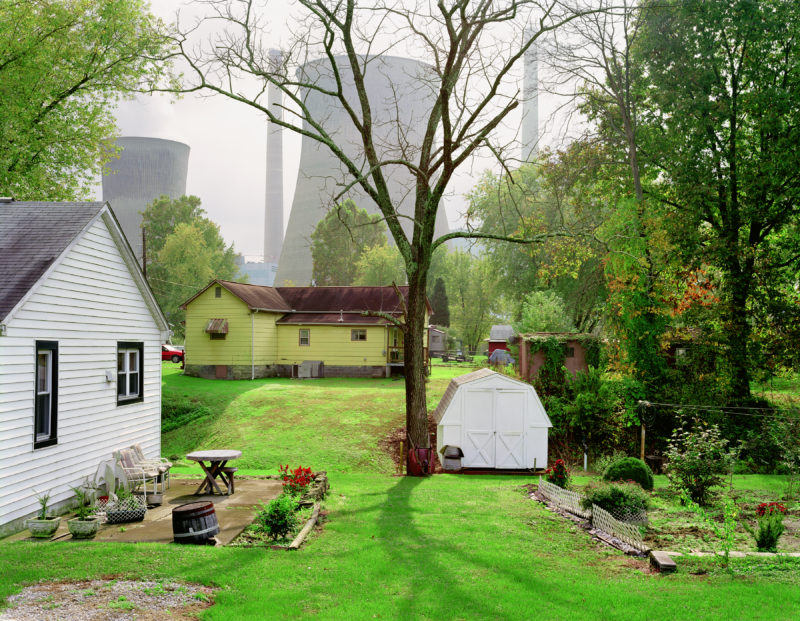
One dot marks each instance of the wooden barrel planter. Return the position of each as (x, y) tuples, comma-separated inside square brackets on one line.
[(195, 522)]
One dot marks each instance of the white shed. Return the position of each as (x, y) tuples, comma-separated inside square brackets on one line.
[(80, 351), (497, 421)]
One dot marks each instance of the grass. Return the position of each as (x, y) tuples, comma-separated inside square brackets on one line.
[(335, 422), (445, 547), (451, 547)]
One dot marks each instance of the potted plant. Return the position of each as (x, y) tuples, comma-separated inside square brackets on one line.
[(43, 526), (125, 507), (85, 524)]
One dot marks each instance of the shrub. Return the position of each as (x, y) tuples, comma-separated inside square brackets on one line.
[(278, 518), (558, 474), (602, 463), (630, 469), (618, 498), (770, 526), (295, 482), (698, 459)]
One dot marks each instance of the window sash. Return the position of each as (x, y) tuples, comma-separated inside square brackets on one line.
[(45, 394), (358, 334), (304, 336), (128, 373)]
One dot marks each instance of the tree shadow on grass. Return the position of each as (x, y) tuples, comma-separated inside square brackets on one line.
[(439, 570)]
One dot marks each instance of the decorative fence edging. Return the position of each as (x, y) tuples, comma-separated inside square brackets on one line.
[(601, 519)]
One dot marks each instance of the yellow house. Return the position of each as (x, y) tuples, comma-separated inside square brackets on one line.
[(238, 331)]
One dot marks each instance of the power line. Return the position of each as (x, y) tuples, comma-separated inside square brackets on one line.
[(753, 411)]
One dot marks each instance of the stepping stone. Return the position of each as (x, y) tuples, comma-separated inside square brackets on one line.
[(662, 561)]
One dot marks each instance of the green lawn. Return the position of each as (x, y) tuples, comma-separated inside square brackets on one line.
[(445, 547), (331, 424)]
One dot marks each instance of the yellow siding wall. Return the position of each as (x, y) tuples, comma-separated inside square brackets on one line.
[(235, 348), (332, 345)]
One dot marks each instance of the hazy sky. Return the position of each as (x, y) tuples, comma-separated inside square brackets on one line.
[(227, 166)]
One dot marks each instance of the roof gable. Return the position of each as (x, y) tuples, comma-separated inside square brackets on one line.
[(32, 236), (41, 234)]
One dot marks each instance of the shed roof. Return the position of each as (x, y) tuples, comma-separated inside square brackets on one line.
[(452, 387), (501, 332), (32, 236)]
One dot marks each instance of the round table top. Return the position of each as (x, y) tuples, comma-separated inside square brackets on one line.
[(218, 455)]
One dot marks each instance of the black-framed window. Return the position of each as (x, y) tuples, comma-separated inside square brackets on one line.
[(130, 371), (217, 292), (358, 334), (304, 336), (46, 395)]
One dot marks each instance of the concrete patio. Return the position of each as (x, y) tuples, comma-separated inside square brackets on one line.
[(234, 513)]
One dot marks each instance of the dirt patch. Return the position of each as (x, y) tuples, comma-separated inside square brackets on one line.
[(393, 443), (104, 600)]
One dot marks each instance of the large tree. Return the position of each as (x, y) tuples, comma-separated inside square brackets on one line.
[(339, 240), (722, 124), (63, 66), (185, 251), (472, 48)]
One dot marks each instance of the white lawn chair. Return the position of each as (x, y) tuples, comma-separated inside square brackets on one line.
[(136, 473), (161, 463)]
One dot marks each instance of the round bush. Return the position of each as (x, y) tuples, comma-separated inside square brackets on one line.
[(616, 498), (630, 469)]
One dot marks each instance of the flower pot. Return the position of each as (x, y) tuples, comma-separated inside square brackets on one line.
[(83, 529), (130, 509), (43, 529)]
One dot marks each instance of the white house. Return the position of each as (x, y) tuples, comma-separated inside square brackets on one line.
[(80, 343), (496, 420)]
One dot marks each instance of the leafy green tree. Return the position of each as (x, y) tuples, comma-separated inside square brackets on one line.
[(63, 66), (471, 50), (722, 120), (340, 239), (544, 311), (380, 266), (184, 252), (470, 297), (440, 304)]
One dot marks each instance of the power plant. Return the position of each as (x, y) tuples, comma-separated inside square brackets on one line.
[(401, 99), (273, 211), (147, 168), (530, 101)]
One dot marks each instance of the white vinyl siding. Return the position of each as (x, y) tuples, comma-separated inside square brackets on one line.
[(87, 304)]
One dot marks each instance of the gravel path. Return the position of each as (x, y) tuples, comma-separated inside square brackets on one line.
[(101, 600)]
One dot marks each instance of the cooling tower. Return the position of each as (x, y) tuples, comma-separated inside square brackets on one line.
[(273, 209), (401, 99), (530, 102), (146, 169)]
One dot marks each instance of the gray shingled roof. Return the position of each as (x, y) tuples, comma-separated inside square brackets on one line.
[(32, 236), (452, 388), (501, 333)]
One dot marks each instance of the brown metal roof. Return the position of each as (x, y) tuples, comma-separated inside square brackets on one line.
[(257, 297), (330, 318), (347, 299), (318, 300), (217, 326)]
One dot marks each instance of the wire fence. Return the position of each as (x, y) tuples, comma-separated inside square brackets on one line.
[(626, 527)]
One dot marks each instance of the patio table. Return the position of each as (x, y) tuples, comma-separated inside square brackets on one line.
[(216, 462)]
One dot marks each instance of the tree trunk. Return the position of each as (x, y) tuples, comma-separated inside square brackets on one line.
[(738, 330), (414, 359)]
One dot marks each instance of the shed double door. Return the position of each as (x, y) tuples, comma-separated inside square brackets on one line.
[(494, 429)]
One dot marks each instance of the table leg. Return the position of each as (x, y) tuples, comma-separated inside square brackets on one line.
[(211, 473)]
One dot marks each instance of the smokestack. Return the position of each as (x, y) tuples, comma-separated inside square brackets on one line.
[(273, 208), (530, 101)]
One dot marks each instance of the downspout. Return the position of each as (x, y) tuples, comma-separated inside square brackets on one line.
[(253, 344)]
